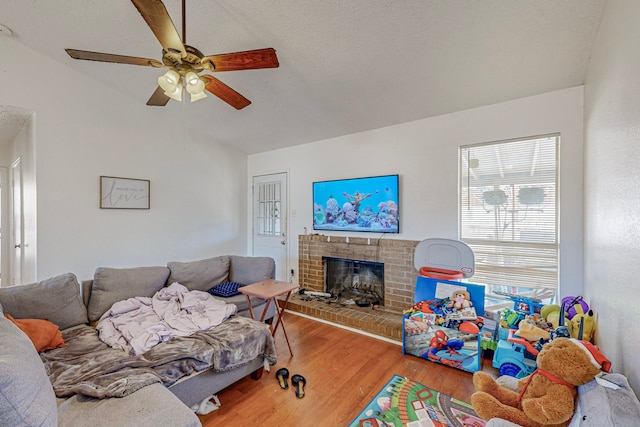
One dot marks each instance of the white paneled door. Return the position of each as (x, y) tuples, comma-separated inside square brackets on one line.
[(17, 230), (270, 220)]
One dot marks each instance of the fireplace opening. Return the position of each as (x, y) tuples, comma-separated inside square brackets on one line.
[(360, 281)]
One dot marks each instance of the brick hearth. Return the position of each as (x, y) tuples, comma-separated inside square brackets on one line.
[(380, 322), (399, 281)]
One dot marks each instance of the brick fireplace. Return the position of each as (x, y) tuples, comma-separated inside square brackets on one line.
[(355, 280), (396, 256)]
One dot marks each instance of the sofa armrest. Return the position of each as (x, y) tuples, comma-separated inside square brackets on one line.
[(597, 404)]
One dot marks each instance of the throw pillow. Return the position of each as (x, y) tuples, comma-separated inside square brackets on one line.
[(251, 269), (43, 334), (200, 275), (56, 299), (111, 285), (225, 289)]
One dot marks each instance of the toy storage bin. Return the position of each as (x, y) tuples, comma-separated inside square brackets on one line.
[(423, 337)]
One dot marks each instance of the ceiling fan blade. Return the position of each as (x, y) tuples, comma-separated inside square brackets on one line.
[(158, 19), (225, 93), (248, 60), (109, 57), (158, 99)]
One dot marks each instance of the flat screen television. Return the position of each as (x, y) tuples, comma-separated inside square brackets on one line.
[(357, 204)]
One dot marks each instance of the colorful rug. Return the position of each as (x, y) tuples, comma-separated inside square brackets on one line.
[(406, 403)]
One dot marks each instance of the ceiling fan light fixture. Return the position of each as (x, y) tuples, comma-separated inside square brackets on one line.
[(194, 83), (176, 93), (192, 78), (181, 59), (195, 86), (172, 85), (197, 96), (169, 81)]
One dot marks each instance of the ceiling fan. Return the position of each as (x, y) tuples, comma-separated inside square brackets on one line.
[(185, 63)]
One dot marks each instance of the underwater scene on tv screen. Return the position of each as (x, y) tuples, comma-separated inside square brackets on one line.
[(358, 204)]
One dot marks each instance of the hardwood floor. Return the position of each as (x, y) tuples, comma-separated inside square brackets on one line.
[(343, 369)]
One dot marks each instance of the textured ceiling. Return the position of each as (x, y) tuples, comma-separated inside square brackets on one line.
[(345, 66), (12, 120)]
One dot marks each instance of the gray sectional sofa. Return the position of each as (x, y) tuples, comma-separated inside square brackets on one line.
[(26, 393)]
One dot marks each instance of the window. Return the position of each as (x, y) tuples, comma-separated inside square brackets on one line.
[(508, 214), (269, 200)]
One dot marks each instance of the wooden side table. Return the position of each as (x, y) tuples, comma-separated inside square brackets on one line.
[(270, 290)]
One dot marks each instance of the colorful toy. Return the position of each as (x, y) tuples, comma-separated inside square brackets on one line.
[(510, 319), (584, 326), (574, 305), (441, 341), (454, 338), (514, 356), (551, 313), (525, 305), (547, 396), (531, 332)]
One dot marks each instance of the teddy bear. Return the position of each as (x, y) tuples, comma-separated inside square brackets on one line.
[(461, 299), (547, 396)]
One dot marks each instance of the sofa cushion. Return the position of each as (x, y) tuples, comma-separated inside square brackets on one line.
[(43, 334), (247, 270), (111, 285), (56, 299), (200, 275), (225, 289), (26, 395), (240, 301), (153, 405)]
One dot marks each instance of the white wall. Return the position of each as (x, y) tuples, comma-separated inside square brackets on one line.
[(425, 154), (84, 130), (612, 193)]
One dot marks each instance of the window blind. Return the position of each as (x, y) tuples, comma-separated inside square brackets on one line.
[(508, 213)]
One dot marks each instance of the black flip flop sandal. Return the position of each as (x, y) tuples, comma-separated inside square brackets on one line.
[(282, 375), (298, 382)]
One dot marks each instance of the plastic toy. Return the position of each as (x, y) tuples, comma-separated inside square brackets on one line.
[(574, 305), (510, 319), (524, 305), (454, 337), (515, 357), (441, 341)]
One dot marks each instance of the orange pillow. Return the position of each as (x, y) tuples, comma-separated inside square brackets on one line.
[(43, 334)]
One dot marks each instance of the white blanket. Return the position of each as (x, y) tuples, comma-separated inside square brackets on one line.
[(137, 324)]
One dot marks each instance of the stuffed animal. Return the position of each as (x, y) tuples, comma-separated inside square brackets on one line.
[(531, 332), (584, 326), (461, 299), (546, 397), (551, 313)]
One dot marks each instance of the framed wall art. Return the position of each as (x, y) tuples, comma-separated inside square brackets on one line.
[(124, 193)]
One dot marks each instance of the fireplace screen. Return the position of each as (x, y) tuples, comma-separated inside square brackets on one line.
[(353, 279)]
